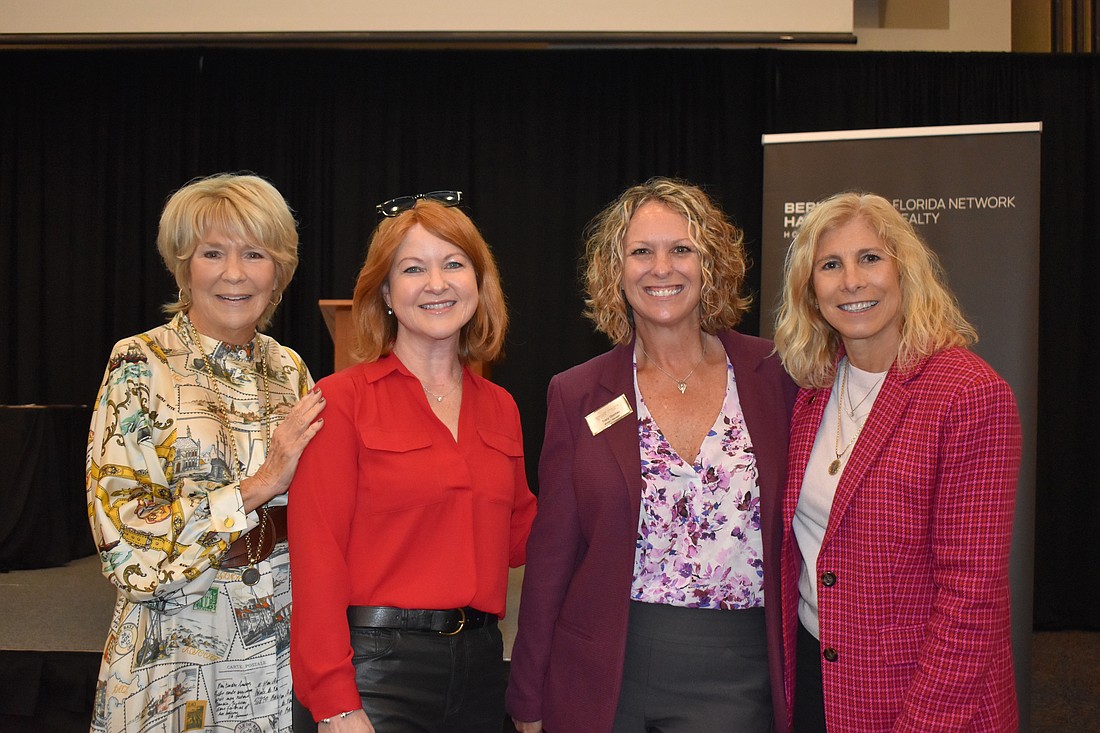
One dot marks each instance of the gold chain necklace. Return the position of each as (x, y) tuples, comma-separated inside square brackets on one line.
[(250, 575), (681, 384), (835, 465)]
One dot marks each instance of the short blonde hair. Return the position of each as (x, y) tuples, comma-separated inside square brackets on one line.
[(931, 317), (482, 338), (721, 251), (238, 204)]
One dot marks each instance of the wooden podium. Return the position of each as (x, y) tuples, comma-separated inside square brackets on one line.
[(337, 314)]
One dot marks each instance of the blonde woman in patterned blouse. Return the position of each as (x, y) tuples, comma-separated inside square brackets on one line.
[(648, 596), (194, 439)]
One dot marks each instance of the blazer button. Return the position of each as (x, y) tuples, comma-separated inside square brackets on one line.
[(830, 654), (828, 579)]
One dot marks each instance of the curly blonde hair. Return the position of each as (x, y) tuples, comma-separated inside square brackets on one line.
[(931, 317), (482, 338), (719, 242)]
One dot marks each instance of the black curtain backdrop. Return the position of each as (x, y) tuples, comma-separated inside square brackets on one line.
[(92, 141)]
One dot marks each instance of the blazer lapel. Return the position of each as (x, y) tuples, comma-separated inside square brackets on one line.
[(749, 392), (809, 410), (758, 405), (888, 410), (622, 437)]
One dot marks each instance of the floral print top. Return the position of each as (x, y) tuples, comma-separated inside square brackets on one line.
[(699, 543)]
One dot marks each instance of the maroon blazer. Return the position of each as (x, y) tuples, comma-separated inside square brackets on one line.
[(915, 614), (567, 662)]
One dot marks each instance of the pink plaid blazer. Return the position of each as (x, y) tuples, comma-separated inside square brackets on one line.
[(915, 629)]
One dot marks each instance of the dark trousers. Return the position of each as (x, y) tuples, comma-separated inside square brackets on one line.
[(424, 682), (809, 690), (303, 719), (692, 670)]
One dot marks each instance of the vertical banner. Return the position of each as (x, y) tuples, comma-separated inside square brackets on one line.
[(972, 193)]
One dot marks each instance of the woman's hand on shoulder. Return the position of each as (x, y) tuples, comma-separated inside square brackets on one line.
[(525, 727), (288, 441)]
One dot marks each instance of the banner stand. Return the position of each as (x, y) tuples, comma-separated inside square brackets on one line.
[(972, 193)]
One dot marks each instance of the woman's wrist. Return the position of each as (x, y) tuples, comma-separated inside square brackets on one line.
[(255, 492), (341, 716)]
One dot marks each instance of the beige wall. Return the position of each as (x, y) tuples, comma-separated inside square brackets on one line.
[(917, 25), (236, 16), (934, 25)]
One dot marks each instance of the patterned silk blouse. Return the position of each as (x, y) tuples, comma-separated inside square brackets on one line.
[(699, 543), (191, 646)]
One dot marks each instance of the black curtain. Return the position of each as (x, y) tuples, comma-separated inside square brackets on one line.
[(92, 141)]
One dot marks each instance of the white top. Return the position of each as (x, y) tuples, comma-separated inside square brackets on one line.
[(815, 501)]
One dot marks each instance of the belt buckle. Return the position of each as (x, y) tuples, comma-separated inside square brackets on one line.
[(461, 624)]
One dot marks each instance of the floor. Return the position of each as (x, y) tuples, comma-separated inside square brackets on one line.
[(69, 608)]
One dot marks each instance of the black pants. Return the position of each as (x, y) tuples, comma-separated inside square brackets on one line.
[(693, 670), (809, 692), (423, 682), (303, 719)]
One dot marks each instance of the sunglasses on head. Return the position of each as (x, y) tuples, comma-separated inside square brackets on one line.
[(393, 207)]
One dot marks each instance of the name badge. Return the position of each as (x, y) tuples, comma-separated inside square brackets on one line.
[(611, 413)]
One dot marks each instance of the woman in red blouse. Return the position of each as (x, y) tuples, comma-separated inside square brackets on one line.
[(414, 504), (897, 517)]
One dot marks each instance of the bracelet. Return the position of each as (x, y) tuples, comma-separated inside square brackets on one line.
[(335, 717)]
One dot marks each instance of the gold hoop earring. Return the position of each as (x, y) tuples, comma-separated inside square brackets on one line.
[(184, 298), (275, 301)]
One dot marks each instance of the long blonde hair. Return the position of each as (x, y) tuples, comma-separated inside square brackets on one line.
[(931, 317)]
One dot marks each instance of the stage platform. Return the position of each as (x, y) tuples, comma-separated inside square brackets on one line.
[(53, 623)]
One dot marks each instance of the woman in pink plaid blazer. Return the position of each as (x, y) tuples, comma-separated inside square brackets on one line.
[(897, 519)]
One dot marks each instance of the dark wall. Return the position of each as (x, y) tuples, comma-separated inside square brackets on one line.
[(91, 143)]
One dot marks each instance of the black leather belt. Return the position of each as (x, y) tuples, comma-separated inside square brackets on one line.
[(447, 622)]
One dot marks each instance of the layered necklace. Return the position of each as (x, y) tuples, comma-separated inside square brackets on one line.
[(251, 574), (681, 384), (835, 465), (852, 408)]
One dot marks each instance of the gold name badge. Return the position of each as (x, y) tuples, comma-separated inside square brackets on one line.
[(611, 413)]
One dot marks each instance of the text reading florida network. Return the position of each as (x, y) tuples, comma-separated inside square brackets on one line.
[(918, 209)]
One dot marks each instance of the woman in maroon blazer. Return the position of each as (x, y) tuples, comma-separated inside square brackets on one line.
[(659, 507), (897, 517)]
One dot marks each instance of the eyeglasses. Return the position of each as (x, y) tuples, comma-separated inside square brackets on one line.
[(393, 207)]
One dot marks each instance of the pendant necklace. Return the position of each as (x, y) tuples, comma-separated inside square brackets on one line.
[(251, 574), (439, 397), (681, 384), (834, 467), (852, 408)]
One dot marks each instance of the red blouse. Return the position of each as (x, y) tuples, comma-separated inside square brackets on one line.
[(388, 509)]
